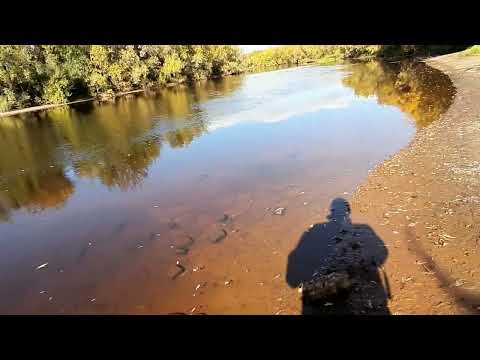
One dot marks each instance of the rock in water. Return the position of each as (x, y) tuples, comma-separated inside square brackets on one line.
[(223, 234), (326, 286), (226, 219)]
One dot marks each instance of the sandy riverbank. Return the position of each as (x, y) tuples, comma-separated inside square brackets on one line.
[(424, 204)]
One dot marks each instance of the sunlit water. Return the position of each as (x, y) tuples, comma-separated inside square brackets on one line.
[(112, 195)]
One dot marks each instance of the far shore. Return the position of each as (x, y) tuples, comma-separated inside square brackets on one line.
[(168, 85)]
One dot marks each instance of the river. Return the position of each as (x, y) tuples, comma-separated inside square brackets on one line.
[(100, 202)]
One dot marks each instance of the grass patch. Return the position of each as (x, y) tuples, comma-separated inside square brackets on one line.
[(473, 50)]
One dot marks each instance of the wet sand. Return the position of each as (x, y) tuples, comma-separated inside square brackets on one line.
[(424, 204)]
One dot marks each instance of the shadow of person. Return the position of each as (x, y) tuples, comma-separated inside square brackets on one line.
[(340, 246)]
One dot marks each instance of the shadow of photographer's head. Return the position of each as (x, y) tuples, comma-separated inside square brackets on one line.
[(339, 211)]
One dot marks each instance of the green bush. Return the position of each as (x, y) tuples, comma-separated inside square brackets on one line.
[(473, 50)]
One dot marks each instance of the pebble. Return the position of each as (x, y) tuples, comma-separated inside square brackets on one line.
[(228, 282), (220, 237), (225, 219)]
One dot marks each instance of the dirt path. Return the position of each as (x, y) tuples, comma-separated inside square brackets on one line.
[(424, 204)]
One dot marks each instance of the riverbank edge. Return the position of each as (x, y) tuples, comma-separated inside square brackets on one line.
[(51, 106), (421, 275)]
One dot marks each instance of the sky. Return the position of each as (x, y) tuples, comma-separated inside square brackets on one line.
[(250, 48)]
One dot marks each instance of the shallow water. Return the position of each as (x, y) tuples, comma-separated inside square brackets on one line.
[(111, 196)]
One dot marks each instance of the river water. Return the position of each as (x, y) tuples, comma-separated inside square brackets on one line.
[(99, 202)]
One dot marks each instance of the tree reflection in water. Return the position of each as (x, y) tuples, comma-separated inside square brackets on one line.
[(114, 143), (420, 91)]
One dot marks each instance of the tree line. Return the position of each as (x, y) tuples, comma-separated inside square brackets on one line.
[(294, 55), (32, 75), (50, 74)]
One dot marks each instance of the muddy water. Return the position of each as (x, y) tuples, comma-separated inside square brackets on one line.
[(98, 203)]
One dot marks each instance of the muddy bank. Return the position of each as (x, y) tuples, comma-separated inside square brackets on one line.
[(424, 205)]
